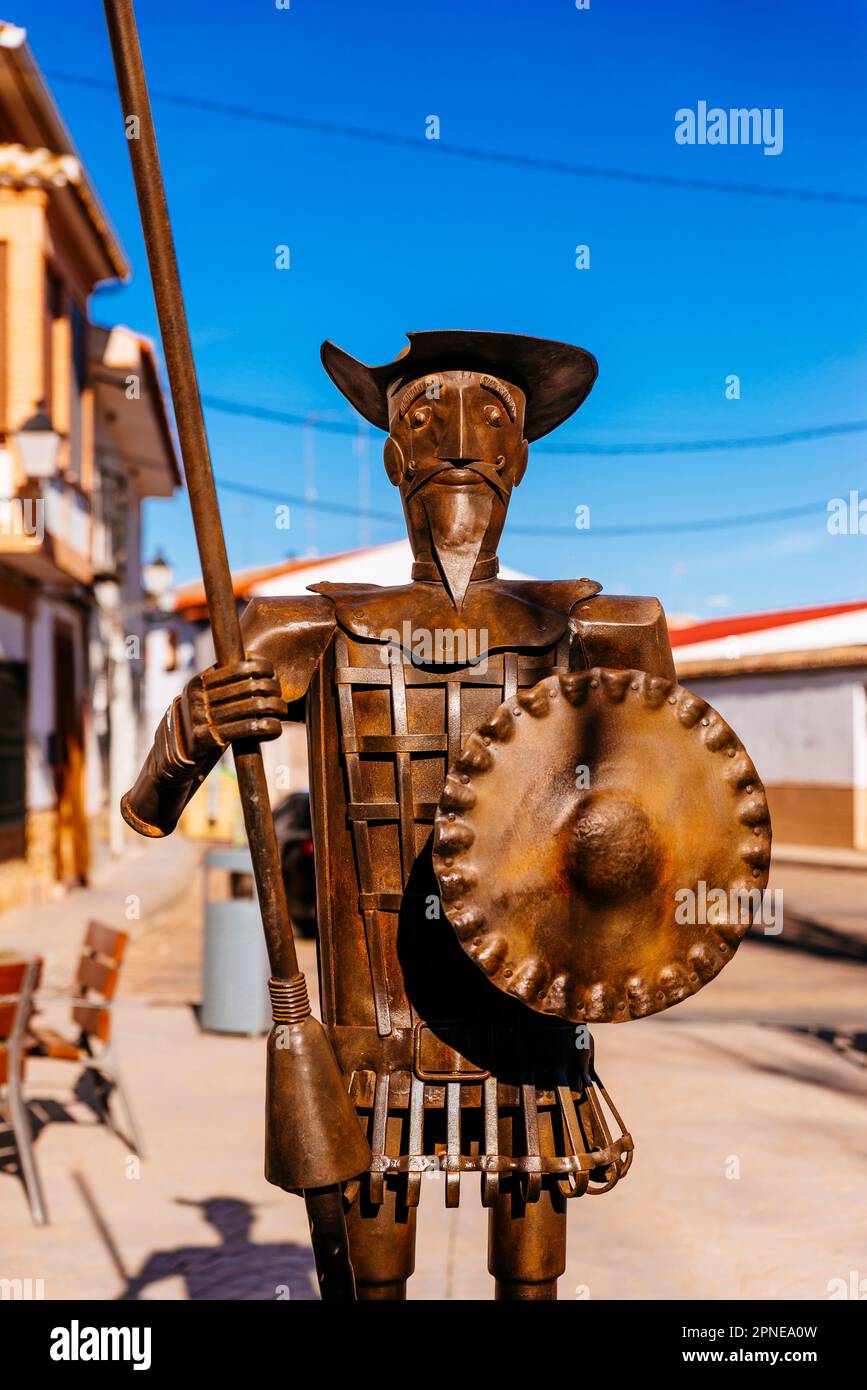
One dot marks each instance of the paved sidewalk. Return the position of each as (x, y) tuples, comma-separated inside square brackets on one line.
[(748, 1181), (131, 893), (819, 856), (833, 899), (749, 1178)]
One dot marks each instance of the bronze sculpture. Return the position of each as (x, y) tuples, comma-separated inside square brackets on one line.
[(508, 792), (478, 1069)]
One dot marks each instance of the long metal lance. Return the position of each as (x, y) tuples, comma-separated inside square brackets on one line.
[(311, 1063), (175, 333)]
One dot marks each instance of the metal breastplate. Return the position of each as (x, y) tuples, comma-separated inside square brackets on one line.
[(394, 778), (401, 726)]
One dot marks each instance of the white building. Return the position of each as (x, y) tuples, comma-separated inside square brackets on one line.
[(793, 686)]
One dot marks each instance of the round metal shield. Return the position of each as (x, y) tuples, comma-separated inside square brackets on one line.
[(602, 844)]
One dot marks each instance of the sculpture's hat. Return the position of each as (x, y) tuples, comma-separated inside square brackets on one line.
[(555, 377)]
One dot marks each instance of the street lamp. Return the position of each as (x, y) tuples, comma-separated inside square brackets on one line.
[(158, 578), (106, 591), (38, 443)]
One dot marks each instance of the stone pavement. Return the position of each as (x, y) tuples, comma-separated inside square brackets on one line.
[(134, 893), (748, 1181), (833, 898)]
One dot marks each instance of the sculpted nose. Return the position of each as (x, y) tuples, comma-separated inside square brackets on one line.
[(458, 444)]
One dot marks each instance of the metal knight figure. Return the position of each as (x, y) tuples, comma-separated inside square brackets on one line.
[(502, 816)]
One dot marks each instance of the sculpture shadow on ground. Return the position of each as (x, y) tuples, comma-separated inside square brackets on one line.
[(236, 1269), (802, 932)]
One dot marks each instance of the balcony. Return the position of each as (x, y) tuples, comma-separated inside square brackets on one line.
[(45, 531)]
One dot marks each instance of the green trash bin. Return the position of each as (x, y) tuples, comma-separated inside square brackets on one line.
[(235, 963)]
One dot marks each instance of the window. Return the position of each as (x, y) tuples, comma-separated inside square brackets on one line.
[(53, 311), (13, 747), (78, 380)]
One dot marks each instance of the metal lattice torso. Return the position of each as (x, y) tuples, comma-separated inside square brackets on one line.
[(447, 1078)]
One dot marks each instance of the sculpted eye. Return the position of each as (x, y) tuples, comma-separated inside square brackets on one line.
[(419, 417), (493, 415)]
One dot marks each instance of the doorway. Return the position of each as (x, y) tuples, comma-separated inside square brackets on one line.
[(72, 851)]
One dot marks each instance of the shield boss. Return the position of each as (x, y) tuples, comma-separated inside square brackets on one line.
[(601, 845)]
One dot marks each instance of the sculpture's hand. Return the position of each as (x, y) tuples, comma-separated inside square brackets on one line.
[(228, 703)]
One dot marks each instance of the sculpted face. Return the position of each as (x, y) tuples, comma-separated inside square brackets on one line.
[(456, 449)]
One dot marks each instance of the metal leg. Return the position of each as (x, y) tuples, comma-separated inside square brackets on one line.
[(382, 1236), (382, 1246), (106, 1074), (21, 1129), (526, 1229), (527, 1245), (123, 1096)]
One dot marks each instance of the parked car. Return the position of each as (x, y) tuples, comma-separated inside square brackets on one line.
[(295, 838)]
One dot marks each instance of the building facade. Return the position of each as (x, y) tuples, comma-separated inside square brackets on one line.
[(793, 686), (84, 438)]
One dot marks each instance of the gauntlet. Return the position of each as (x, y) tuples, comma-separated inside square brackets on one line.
[(222, 705)]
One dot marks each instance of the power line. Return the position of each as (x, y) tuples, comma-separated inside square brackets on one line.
[(567, 448), (664, 528), (394, 519), (316, 504), (516, 161), (671, 446), (297, 420), (688, 446), (279, 417), (638, 529)]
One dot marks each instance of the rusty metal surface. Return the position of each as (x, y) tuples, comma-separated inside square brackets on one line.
[(578, 828), (449, 1068), (175, 336), (555, 377)]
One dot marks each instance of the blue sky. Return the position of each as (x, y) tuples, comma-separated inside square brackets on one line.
[(684, 288)]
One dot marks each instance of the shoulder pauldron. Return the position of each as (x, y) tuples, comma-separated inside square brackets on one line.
[(293, 632), (622, 632)]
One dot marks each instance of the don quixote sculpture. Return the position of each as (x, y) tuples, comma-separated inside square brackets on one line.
[(508, 790)]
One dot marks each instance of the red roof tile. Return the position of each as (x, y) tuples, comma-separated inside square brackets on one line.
[(758, 622)]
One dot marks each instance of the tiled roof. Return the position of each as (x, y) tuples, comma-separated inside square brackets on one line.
[(819, 637), (758, 622), (24, 167), (190, 598), (46, 154), (387, 563)]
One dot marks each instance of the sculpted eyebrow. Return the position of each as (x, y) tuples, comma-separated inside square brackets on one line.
[(413, 392), (491, 383)]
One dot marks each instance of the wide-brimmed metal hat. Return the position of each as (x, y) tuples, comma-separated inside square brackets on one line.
[(555, 377)]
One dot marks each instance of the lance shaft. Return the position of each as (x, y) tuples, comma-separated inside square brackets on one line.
[(313, 1139), (175, 333)]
